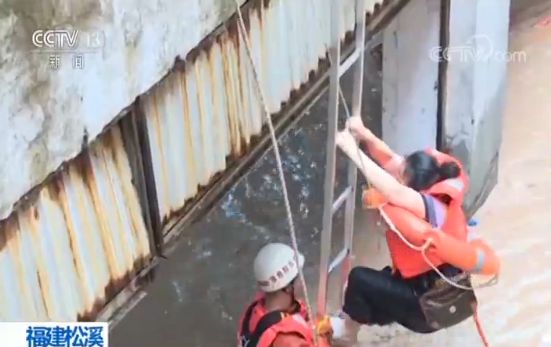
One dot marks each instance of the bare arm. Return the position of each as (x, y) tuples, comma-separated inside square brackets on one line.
[(379, 150), (376, 147), (393, 191)]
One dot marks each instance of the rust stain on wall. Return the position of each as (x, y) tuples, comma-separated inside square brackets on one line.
[(80, 237), (208, 108), (67, 253)]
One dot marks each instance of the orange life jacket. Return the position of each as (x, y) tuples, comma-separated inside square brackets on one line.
[(411, 263), (259, 328)]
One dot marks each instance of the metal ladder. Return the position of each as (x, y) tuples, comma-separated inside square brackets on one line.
[(348, 196)]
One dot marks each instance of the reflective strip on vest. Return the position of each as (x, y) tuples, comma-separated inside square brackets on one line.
[(472, 235), (300, 319), (480, 260), (455, 183)]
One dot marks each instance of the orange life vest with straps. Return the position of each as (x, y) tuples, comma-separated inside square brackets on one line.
[(411, 263), (259, 328), (451, 244)]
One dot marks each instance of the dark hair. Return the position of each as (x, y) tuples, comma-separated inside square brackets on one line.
[(422, 170)]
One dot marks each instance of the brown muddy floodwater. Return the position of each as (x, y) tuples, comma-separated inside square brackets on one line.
[(201, 290)]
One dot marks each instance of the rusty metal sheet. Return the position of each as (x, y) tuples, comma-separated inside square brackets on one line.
[(67, 253), (210, 109)]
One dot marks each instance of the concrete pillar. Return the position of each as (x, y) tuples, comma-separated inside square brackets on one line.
[(475, 89), (474, 86), (410, 77)]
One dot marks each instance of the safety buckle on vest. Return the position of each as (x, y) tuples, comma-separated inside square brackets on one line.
[(244, 341)]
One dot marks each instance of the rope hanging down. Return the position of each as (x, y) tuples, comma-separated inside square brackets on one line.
[(423, 249), (292, 233)]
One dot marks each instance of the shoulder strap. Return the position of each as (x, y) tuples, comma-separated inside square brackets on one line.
[(430, 213), (265, 323), (250, 339), (247, 318)]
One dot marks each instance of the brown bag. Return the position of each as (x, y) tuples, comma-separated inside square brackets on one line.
[(445, 305)]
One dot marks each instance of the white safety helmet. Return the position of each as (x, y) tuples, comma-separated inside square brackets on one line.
[(275, 267)]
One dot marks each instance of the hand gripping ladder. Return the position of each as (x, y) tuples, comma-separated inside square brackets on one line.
[(348, 196)]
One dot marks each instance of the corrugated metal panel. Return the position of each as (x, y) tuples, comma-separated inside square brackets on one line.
[(66, 254), (199, 116)]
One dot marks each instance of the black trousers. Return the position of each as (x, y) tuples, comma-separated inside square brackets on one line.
[(381, 298)]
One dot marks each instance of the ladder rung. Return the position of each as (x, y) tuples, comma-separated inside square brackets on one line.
[(341, 199), (348, 62), (375, 41), (338, 260)]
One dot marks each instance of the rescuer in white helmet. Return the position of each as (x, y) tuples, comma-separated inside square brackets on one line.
[(277, 318)]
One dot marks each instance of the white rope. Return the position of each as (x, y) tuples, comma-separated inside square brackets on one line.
[(279, 163), (391, 225), (292, 232), (423, 249)]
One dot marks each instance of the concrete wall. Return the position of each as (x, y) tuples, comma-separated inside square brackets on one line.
[(410, 96), (46, 115), (475, 95)]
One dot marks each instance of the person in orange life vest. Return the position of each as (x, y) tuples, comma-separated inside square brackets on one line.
[(276, 317), (392, 295)]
